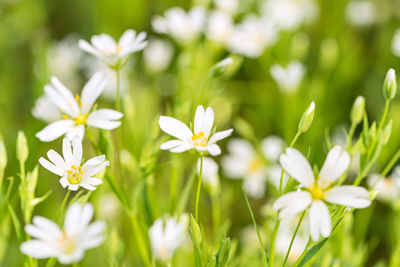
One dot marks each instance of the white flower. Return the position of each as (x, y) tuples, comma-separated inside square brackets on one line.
[(289, 78), (182, 26), (200, 139), (317, 191), (284, 236), (228, 6), (77, 110), (209, 172), (289, 14), (69, 167), (114, 53), (252, 36), (166, 236), (219, 27), (158, 55), (244, 163), (272, 147), (68, 245), (396, 43), (361, 13), (388, 187)]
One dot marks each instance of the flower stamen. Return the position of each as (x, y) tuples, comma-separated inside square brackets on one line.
[(74, 174), (199, 139), (80, 119)]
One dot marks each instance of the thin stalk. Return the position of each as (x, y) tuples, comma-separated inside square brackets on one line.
[(350, 135), (294, 236), (198, 189), (263, 254), (277, 223), (173, 187), (391, 163), (140, 241), (118, 92), (63, 204)]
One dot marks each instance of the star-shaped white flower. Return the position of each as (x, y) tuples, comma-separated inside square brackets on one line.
[(288, 78), (68, 245), (181, 25), (200, 139), (166, 236), (77, 111), (316, 192), (73, 173), (114, 53)]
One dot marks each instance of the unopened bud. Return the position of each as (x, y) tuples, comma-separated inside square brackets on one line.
[(22, 147), (307, 118), (220, 68), (195, 231), (390, 85), (357, 110)]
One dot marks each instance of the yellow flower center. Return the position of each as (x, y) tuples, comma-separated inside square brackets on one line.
[(255, 165), (74, 174), (199, 139), (117, 49), (80, 119), (66, 243), (316, 193)]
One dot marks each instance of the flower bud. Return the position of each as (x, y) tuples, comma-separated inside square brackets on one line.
[(195, 231), (387, 132), (22, 147), (220, 68), (357, 110), (390, 85), (307, 118)]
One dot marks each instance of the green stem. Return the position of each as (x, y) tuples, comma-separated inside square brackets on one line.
[(118, 92), (272, 249), (140, 240), (391, 163), (198, 189), (172, 187), (350, 135), (294, 236), (63, 204), (264, 256), (385, 111)]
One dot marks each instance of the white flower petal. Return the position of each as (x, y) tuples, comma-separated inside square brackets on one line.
[(66, 96), (77, 154), (320, 220), (64, 182), (93, 162), (92, 90), (56, 159), (89, 171), (171, 144), (85, 46), (67, 152), (175, 128), (292, 203), (348, 195), (219, 136), (213, 149), (38, 249), (77, 130), (198, 119), (104, 119), (51, 167), (336, 163), (55, 130), (49, 226), (104, 43), (294, 163), (182, 148), (73, 187)]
